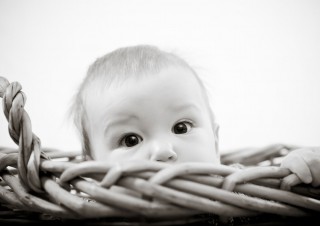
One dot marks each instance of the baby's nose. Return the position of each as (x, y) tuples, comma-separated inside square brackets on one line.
[(163, 152)]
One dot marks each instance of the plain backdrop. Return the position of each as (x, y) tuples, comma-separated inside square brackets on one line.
[(260, 60)]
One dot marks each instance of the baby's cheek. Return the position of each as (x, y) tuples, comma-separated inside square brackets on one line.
[(127, 154), (119, 155), (196, 149)]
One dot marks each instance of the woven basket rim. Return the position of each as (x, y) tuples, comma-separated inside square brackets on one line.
[(64, 185)]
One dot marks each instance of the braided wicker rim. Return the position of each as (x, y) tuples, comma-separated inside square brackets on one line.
[(63, 185)]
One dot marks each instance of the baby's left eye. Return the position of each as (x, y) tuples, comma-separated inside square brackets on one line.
[(182, 127)]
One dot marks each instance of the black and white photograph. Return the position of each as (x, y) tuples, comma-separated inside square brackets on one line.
[(160, 112)]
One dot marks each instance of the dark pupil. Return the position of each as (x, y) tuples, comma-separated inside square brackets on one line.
[(180, 128), (131, 140)]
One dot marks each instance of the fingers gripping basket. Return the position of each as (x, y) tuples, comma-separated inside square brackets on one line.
[(63, 186)]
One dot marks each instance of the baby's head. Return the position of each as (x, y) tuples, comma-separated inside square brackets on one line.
[(140, 102)]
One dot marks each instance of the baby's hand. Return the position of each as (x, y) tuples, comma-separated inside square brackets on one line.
[(305, 163)]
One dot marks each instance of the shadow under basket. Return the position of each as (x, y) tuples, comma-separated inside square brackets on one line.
[(42, 185)]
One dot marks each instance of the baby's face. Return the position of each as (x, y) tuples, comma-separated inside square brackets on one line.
[(162, 117)]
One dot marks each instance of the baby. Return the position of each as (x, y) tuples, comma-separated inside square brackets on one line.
[(140, 102)]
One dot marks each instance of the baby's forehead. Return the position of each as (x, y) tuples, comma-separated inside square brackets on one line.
[(169, 84)]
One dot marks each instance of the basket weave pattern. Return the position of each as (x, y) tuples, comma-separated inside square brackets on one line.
[(63, 185)]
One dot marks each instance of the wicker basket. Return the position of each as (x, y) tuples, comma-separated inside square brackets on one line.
[(50, 186)]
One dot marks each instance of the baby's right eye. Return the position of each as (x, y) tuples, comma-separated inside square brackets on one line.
[(130, 140)]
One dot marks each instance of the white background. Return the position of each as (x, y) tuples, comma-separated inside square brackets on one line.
[(259, 59)]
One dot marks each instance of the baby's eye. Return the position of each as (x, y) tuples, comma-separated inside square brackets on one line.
[(182, 127), (130, 140)]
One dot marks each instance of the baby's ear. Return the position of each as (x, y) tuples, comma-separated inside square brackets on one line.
[(216, 128)]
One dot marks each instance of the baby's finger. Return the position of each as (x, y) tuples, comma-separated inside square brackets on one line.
[(313, 161), (298, 166), (290, 181)]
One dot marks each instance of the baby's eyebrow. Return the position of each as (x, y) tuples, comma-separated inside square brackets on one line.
[(184, 107), (121, 119)]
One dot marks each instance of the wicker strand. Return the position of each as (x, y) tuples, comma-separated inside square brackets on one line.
[(21, 133)]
